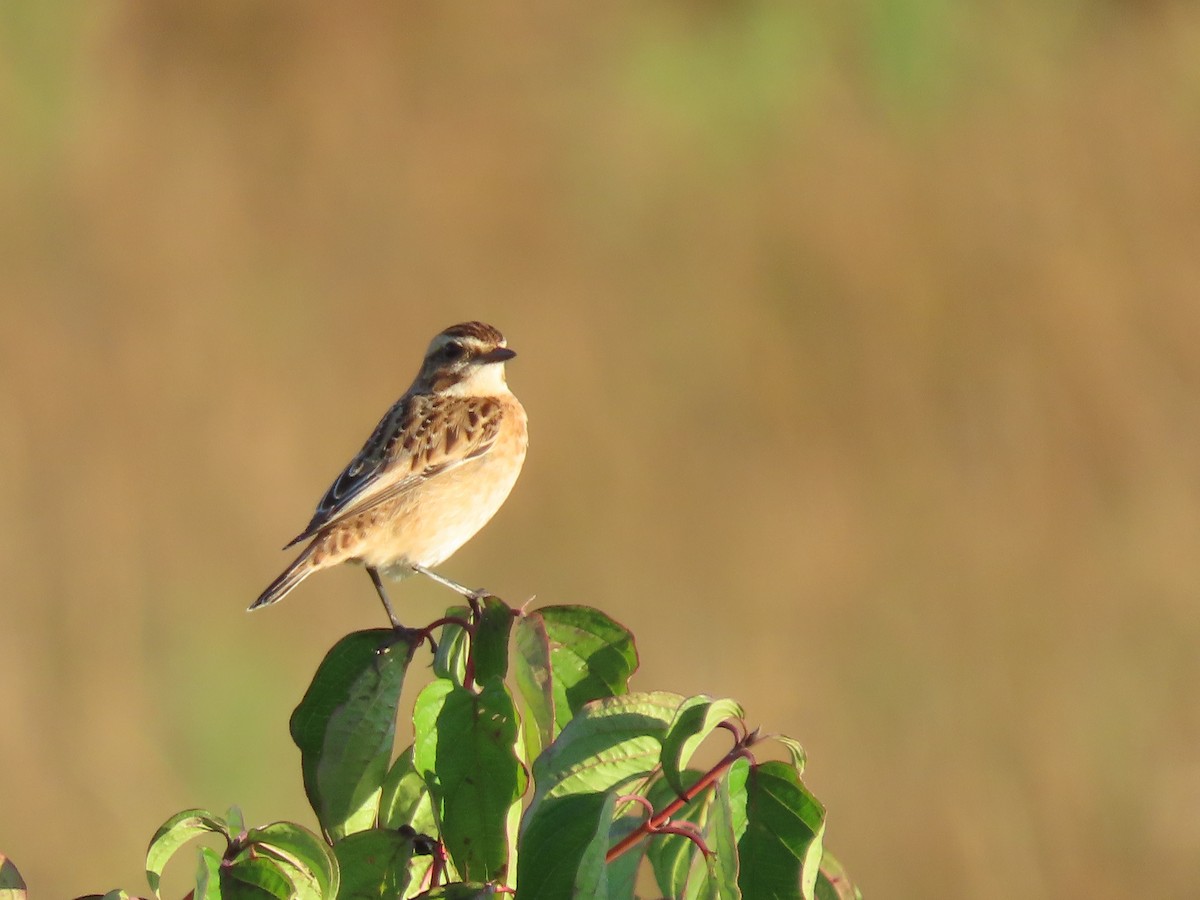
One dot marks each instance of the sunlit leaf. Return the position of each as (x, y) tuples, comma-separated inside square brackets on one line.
[(795, 751), (345, 727), (12, 885), (780, 850), (673, 856), (591, 657), (464, 749), (173, 834), (612, 742), (374, 864), (255, 879), (491, 640), (235, 822), (450, 660), (531, 671), (405, 799), (622, 872), (208, 876), (722, 832), (833, 883), (612, 747), (308, 861), (694, 721), (563, 848)]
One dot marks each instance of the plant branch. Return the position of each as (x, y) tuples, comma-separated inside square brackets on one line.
[(660, 821)]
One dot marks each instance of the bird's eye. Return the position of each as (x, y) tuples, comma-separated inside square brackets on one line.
[(453, 351)]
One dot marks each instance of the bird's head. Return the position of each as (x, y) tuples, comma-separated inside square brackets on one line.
[(466, 359)]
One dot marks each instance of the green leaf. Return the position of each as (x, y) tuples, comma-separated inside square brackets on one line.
[(622, 872), (464, 749), (694, 721), (780, 850), (833, 883), (795, 751), (672, 856), (173, 834), (345, 726), (374, 864), (208, 876), (255, 879), (591, 657), (406, 802), (722, 832), (612, 747), (531, 670), (612, 743), (405, 799), (308, 861), (450, 660), (491, 640), (563, 848), (12, 885), (235, 822)]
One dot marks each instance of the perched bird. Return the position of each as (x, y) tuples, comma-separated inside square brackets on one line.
[(434, 471)]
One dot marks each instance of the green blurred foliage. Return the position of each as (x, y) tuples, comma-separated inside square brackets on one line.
[(858, 342)]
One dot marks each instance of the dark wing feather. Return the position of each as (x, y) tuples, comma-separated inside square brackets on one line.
[(441, 433)]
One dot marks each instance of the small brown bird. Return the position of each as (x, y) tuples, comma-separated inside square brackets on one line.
[(437, 467)]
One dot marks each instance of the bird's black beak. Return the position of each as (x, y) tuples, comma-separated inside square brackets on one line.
[(500, 354)]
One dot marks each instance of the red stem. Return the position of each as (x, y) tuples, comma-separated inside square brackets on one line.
[(655, 822)]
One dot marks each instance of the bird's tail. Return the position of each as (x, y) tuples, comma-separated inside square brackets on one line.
[(281, 586)]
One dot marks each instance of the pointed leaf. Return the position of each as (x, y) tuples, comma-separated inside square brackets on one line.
[(491, 640), (795, 751), (235, 822), (450, 660), (591, 657), (374, 864), (672, 856), (563, 848), (464, 749), (208, 876), (722, 831), (622, 872), (255, 879), (406, 803), (780, 851), (308, 861), (695, 720), (12, 885), (531, 670), (345, 727), (405, 799), (833, 883), (612, 747), (612, 743), (173, 834)]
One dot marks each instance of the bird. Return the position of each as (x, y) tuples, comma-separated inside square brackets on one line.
[(437, 467)]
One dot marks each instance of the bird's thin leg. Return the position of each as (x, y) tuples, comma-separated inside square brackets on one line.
[(473, 596), (378, 582)]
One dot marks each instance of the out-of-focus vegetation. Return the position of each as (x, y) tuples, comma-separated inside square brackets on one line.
[(859, 342)]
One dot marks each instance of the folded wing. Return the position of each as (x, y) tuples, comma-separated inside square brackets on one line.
[(442, 433)]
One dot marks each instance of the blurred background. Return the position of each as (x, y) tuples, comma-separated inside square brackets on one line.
[(859, 342)]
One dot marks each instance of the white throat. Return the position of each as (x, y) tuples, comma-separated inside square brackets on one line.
[(486, 381)]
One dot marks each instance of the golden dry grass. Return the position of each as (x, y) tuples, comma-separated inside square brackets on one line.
[(859, 344)]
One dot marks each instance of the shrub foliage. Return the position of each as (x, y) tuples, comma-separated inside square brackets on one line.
[(533, 770)]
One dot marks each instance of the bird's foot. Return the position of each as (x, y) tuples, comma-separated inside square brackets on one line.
[(474, 596)]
